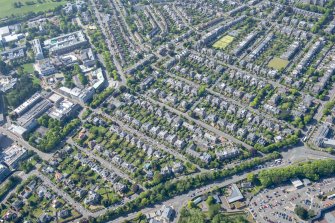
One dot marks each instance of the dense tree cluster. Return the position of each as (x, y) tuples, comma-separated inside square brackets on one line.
[(55, 134), (290, 141), (99, 98), (24, 88), (195, 215), (11, 183), (328, 107), (81, 76), (260, 95), (312, 170), (97, 38), (327, 16), (303, 213)]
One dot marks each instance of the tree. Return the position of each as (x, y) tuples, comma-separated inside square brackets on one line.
[(330, 150), (157, 178), (26, 166), (202, 90), (210, 200), (135, 188), (83, 79), (105, 202), (193, 215), (190, 204), (301, 212), (213, 210), (251, 177), (311, 170), (24, 88), (3, 67)]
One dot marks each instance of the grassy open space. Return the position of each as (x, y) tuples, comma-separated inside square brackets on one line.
[(278, 63), (28, 68), (8, 8), (223, 42)]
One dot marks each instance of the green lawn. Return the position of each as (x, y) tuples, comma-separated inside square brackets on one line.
[(7, 6), (277, 63), (28, 68), (223, 42)]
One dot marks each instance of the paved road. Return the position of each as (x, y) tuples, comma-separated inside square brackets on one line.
[(148, 139), (297, 154), (109, 44), (331, 95), (181, 200), (234, 67), (19, 140), (198, 122), (302, 153), (110, 166), (18, 174), (233, 101), (63, 194)]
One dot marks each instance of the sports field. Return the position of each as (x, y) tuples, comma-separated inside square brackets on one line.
[(278, 63), (223, 42), (8, 8)]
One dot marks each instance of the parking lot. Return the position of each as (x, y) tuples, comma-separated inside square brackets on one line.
[(277, 205)]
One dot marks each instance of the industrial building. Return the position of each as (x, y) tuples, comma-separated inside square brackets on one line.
[(27, 104), (7, 36), (29, 119)]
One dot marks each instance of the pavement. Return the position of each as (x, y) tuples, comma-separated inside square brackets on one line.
[(277, 205)]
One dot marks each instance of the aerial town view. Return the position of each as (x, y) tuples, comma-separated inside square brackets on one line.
[(167, 111)]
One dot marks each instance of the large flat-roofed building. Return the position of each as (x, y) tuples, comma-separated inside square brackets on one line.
[(4, 31), (63, 109), (17, 130), (235, 195), (297, 183), (99, 79), (45, 67), (14, 54), (65, 43), (12, 155), (27, 104), (78, 94), (87, 57), (28, 120), (37, 48), (328, 143), (7, 83)]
